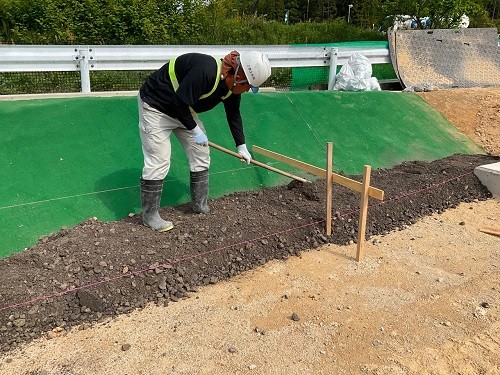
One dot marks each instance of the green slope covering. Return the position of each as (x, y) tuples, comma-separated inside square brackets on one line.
[(66, 160)]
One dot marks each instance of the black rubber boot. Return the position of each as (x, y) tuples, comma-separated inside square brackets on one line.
[(150, 201), (199, 191)]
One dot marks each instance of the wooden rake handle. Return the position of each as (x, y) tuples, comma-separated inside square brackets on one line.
[(255, 162), (492, 231)]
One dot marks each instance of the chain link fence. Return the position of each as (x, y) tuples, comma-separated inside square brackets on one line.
[(11, 83)]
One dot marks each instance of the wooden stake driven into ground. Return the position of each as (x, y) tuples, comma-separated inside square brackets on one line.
[(364, 188), (329, 187), (363, 213)]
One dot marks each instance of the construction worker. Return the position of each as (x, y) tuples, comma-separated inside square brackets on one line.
[(169, 101)]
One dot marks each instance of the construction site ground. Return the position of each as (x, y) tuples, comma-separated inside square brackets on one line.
[(425, 300)]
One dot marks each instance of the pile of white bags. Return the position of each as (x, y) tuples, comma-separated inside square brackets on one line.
[(356, 75)]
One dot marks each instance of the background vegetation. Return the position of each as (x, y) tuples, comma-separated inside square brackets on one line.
[(223, 21)]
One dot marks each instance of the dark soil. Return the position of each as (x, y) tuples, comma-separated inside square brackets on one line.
[(97, 270)]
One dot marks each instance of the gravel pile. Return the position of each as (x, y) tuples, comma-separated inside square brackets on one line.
[(98, 270)]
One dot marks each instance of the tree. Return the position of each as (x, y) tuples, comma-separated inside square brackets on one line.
[(271, 10), (369, 13), (442, 13), (494, 8)]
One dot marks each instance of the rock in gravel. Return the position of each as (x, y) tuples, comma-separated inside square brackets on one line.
[(91, 301), (295, 317), (125, 347)]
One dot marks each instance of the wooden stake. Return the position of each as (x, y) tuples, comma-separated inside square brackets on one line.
[(364, 188), (255, 162), (360, 254), (329, 187)]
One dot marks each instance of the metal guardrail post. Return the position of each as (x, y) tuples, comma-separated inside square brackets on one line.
[(333, 67), (84, 57)]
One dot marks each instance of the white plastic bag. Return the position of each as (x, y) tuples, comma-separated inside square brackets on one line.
[(356, 75)]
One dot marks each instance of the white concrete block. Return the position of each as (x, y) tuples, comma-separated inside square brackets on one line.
[(489, 175)]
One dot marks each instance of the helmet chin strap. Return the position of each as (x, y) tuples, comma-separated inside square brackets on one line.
[(236, 73), (229, 79)]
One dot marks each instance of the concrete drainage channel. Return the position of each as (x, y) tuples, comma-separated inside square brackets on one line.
[(489, 175)]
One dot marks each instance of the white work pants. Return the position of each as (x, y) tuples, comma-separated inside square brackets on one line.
[(155, 128)]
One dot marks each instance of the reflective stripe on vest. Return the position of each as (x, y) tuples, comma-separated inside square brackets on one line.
[(175, 82)]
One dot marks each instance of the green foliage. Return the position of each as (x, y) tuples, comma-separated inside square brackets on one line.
[(370, 14), (496, 23), (97, 21), (251, 30), (191, 22), (218, 21), (443, 13)]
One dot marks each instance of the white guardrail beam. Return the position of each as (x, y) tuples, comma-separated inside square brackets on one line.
[(36, 58)]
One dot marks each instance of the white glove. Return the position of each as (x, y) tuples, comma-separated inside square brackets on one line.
[(200, 138), (242, 150)]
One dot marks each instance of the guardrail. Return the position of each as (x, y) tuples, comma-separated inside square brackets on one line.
[(36, 58)]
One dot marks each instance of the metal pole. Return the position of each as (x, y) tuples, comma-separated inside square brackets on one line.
[(84, 69), (333, 68)]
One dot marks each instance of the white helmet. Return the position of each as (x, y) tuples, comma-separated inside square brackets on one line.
[(256, 67)]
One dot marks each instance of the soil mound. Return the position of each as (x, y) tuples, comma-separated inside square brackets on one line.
[(98, 270)]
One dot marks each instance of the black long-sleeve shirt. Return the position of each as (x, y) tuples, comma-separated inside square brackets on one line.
[(196, 74)]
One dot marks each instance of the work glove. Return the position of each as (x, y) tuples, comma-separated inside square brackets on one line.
[(243, 151), (200, 138)]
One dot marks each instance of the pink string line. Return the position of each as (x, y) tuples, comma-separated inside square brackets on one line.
[(170, 262)]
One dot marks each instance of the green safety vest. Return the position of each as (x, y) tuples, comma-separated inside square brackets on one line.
[(175, 82)]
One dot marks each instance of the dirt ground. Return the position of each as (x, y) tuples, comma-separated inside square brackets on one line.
[(475, 111), (111, 298)]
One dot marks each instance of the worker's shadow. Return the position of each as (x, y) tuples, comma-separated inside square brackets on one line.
[(120, 192)]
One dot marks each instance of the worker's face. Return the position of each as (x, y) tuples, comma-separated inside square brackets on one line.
[(240, 83), (240, 88)]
